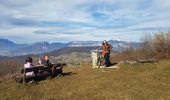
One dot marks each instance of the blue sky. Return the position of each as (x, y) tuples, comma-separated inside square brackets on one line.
[(28, 21)]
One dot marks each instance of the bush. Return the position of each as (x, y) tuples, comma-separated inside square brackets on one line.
[(161, 45), (156, 46), (8, 67)]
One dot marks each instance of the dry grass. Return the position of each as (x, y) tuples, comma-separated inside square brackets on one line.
[(152, 47), (129, 82), (8, 68)]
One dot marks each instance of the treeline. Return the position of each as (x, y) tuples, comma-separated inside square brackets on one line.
[(155, 46)]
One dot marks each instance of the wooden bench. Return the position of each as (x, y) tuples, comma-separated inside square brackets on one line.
[(53, 69)]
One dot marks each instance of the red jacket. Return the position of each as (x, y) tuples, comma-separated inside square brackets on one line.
[(106, 49)]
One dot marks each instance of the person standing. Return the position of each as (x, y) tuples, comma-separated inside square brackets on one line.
[(106, 48)]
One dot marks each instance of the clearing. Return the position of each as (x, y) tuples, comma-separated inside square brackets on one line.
[(129, 82)]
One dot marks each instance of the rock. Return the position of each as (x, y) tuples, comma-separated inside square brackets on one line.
[(131, 62), (147, 61), (109, 66)]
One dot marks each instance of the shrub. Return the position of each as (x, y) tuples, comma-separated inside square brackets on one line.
[(8, 67), (156, 46)]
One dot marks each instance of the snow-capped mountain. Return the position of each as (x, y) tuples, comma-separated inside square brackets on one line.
[(9, 48)]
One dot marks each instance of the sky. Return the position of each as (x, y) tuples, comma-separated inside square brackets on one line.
[(28, 21)]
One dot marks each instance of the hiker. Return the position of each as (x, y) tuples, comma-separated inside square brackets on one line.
[(28, 64), (106, 48)]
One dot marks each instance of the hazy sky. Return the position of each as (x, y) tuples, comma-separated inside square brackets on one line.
[(27, 21)]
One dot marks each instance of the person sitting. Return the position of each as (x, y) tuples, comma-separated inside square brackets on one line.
[(40, 61), (46, 61), (28, 64), (106, 48)]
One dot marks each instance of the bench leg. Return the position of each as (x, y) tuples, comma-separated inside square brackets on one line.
[(24, 75)]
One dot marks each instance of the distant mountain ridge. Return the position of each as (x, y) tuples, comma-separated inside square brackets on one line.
[(7, 45), (68, 50), (37, 48), (9, 48)]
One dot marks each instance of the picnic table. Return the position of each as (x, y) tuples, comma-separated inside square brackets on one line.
[(50, 70)]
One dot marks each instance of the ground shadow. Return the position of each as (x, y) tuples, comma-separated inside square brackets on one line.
[(112, 64), (47, 76), (41, 77), (68, 73)]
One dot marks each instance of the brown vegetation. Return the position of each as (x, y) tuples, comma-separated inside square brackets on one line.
[(8, 68), (153, 47)]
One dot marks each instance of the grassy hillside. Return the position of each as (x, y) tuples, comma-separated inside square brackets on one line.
[(129, 82)]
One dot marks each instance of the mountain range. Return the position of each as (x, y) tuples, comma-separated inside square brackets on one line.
[(9, 48)]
